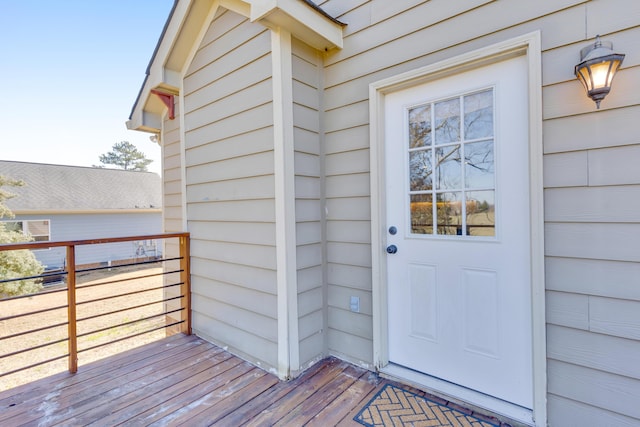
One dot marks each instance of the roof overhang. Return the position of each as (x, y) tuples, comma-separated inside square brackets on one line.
[(184, 28), (302, 19)]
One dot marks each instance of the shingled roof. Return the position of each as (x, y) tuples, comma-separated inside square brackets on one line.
[(73, 188)]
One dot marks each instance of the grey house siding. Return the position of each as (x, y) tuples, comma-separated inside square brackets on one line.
[(306, 64), (230, 188), (91, 226), (590, 174)]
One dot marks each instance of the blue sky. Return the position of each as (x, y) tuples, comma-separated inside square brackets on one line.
[(70, 73)]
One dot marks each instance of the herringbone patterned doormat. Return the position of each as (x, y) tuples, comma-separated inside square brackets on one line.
[(394, 407)]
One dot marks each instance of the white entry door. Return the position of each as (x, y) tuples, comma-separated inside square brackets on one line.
[(457, 197)]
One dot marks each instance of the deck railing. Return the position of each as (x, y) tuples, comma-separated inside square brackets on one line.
[(105, 303)]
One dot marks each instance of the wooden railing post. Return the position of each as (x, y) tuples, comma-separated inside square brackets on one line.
[(185, 287), (71, 308)]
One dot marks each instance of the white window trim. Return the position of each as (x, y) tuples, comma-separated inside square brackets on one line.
[(26, 229)]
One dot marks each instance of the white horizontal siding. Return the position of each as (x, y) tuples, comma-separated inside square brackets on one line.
[(603, 241), (590, 178), (261, 303), (310, 278), (261, 351), (250, 120), (592, 268), (172, 186), (260, 233), (588, 131), (567, 309), (599, 389), (566, 169), (603, 366), (230, 188), (308, 194), (568, 412), (614, 279), (239, 275), (613, 204)]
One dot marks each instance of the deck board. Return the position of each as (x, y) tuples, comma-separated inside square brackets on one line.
[(184, 380)]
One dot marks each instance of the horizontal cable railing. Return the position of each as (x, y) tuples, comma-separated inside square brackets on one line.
[(83, 309)]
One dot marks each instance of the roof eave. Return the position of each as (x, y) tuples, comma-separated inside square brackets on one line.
[(304, 20), (165, 68), (309, 24)]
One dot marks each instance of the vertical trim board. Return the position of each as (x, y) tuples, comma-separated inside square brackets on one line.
[(284, 160)]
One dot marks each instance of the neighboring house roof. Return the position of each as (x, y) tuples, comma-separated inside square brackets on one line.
[(73, 188)]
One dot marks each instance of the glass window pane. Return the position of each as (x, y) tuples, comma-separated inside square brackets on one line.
[(420, 170), (478, 115), (38, 228), (422, 214), (13, 225), (449, 213), (447, 121), (420, 126), (479, 164), (449, 170), (481, 220)]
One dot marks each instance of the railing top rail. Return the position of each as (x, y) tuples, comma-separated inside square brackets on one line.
[(46, 245)]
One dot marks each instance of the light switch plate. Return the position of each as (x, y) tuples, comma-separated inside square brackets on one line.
[(354, 304)]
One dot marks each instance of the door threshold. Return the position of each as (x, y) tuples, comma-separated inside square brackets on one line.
[(480, 402)]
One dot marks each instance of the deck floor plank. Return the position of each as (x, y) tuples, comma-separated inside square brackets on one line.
[(184, 380), (350, 398), (173, 404), (266, 399), (69, 401), (211, 399), (232, 402), (331, 407), (306, 410), (297, 395), (143, 392), (159, 404), (20, 398)]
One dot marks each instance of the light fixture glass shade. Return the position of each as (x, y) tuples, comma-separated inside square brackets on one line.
[(597, 67)]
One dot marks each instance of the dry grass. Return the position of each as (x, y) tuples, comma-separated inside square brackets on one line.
[(98, 330)]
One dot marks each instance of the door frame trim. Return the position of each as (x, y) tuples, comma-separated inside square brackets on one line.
[(528, 45)]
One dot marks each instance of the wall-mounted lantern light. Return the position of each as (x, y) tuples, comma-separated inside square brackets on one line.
[(597, 67)]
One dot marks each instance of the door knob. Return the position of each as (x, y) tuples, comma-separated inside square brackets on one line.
[(392, 249)]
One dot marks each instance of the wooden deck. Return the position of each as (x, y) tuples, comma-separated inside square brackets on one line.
[(185, 380)]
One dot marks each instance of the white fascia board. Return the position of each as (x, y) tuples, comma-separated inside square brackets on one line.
[(300, 20), (241, 7), (146, 119), (165, 71), (148, 111)]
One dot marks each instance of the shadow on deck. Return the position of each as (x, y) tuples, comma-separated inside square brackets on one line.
[(186, 380)]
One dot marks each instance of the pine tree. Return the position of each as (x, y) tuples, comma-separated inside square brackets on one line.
[(126, 156)]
